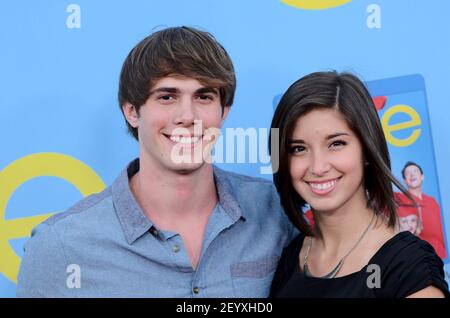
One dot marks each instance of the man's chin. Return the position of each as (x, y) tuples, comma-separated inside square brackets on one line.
[(415, 186), (187, 167)]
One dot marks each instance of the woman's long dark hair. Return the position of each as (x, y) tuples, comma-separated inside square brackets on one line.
[(347, 94)]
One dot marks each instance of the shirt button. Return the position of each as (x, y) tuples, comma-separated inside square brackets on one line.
[(154, 231), (196, 290), (175, 248)]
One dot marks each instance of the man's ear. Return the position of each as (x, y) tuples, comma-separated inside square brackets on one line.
[(130, 114)]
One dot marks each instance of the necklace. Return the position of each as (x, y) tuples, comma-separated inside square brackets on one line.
[(336, 269)]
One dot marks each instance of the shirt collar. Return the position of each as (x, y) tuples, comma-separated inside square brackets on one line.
[(131, 217), (227, 197), (133, 220)]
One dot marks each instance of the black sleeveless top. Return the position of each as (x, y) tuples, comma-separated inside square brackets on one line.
[(404, 265)]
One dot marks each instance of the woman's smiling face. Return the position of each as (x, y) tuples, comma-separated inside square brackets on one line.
[(326, 161)]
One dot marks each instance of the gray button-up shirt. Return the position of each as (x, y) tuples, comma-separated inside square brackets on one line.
[(105, 246)]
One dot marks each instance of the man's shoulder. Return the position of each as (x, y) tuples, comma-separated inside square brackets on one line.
[(250, 192), (244, 187), (67, 228), (242, 179), (402, 199), (429, 198), (57, 241), (84, 208)]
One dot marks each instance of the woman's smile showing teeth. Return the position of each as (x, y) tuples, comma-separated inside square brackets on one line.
[(323, 187)]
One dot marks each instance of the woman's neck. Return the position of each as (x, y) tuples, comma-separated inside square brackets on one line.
[(338, 230)]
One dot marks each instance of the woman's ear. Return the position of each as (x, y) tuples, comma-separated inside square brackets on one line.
[(131, 114)]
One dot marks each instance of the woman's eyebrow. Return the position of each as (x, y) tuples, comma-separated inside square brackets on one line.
[(301, 141), (337, 135), (296, 141)]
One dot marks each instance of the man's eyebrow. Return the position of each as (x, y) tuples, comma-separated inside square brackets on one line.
[(204, 90), (171, 90), (174, 90)]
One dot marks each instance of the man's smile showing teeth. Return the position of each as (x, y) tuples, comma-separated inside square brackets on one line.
[(184, 139), (323, 188)]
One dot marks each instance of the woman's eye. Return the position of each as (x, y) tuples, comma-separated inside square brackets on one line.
[(338, 143), (296, 149)]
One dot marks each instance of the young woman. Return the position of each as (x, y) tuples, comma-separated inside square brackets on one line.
[(333, 156)]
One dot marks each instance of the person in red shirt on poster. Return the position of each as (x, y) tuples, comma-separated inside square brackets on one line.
[(430, 224)]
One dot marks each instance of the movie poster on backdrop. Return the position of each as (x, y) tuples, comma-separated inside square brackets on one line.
[(403, 109)]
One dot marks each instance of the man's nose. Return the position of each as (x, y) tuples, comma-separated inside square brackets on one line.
[(185, 115)]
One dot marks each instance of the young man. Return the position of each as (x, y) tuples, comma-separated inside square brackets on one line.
[(171, 225), (430, 224)]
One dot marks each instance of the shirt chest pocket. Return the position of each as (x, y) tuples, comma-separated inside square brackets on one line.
[(253, 278)]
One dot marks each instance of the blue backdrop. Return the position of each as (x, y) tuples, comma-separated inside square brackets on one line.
[(62, 133)]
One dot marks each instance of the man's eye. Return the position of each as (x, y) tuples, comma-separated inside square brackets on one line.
[(205, 97), (165, 97)]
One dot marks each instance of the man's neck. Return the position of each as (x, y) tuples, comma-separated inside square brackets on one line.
[(417, 192), (168, 197)]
